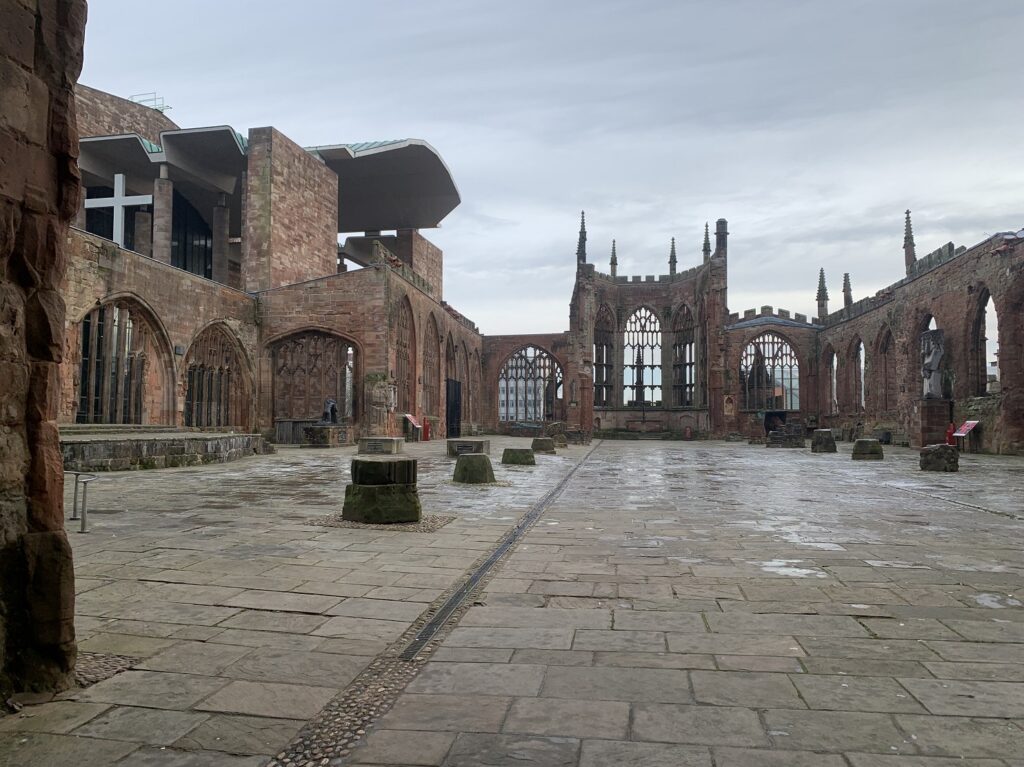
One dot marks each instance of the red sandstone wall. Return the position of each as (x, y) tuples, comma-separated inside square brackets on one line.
[(425, 258), (103, 114), (291, 214), (952, 293), (40, 59), (179, 304), (497, 349)]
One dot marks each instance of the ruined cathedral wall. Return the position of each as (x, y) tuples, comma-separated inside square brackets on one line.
[(40, 59), (291, 214), (178, 304), (953, 292), (497, 350), (804, 342), (104, 114)]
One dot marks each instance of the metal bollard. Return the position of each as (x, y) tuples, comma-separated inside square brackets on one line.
[(85, 479)]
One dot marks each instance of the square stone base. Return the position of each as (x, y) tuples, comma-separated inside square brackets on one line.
[(461, 446), (325, 436), (381, 445)]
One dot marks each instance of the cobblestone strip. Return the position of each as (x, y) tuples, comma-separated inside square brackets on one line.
[(330, 737), (93, 667)]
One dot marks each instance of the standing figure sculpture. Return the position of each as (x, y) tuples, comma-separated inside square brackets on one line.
[(932, 349)]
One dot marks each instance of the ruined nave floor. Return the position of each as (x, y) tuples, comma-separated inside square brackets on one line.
[(676, 603)]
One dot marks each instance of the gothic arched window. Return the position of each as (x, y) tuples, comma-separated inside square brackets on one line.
[(431, 368), (405, 359), (641, 360), (604, 347), (530, 386), (684, 364), (770, 374), (216, 393)]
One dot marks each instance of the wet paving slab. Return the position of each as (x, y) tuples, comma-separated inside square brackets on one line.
[(677, 603)]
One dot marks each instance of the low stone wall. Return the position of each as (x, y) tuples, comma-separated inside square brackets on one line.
[(121, 453)]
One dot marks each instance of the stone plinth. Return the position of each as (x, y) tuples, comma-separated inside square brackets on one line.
[(560, 440), (933, 418), (328, 435), (867, 450), (518, 456), (940, 458), (383, 491), (823, 441), (474, 469), (381, 445), (461, 446), (544, 445), (784, 439)]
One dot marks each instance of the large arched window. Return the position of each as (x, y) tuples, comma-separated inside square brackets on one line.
[(431, 368), (119, 353), (984, 344), (310, 368), (831, 380), (684, 363), (475, 378), (217, 391), (884, 372), (641, 360), (604, 348), (770, 374), (530, 387), (405, 359), (857, 364)]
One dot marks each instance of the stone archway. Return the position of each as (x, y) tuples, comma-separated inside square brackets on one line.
[(217, 381)]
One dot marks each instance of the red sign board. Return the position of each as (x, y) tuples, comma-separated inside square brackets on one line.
[(412, 418), (965, 427)]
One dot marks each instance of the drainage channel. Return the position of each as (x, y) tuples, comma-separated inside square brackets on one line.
[(955, 502), (446, 610)]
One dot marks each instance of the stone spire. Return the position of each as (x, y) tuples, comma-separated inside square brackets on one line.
[(822, 296), (614, 261), (847, 291), (581, 246), (672, 257), (909, 251), (707, 242)]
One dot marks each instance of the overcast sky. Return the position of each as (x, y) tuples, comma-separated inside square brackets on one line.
[(811, 126)]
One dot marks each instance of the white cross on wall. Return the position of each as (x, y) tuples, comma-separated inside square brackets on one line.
[(119, 202)]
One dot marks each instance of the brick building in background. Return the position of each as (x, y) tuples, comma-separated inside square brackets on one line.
[(207, 288)]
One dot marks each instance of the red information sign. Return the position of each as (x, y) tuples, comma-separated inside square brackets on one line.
[(965, 427), (412, 418)]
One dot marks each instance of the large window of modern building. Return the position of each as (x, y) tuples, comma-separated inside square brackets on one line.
[(529, 386)]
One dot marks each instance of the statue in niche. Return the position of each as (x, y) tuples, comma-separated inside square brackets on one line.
[(932, 349), (330, 415), (383, 402)]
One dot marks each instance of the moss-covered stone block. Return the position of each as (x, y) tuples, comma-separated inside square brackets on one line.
[(823, 441), (387, 471), (867, 450), (518, 456), (474, 469), (544, 445), (381, 504)]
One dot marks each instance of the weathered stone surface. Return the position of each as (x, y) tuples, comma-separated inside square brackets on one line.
[(392, 471), (474, 469), (867, 450), (940, 458), (325, 436), (543, 445), (518, 456), (380, 445), (457, 447), (381, 504), (823, 441)]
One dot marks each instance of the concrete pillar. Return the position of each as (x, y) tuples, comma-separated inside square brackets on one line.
[(221, 222), (163, 210), (144, 233)]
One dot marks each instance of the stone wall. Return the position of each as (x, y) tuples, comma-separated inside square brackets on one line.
[(953, 291), (291, 214), (497, 350), (103, 114), (40, 60), (178, 304), (425, 258)]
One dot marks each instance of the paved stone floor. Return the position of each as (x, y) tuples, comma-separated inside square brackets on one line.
[(706, 604)]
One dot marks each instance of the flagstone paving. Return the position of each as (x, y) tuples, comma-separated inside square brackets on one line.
[(704, 604)]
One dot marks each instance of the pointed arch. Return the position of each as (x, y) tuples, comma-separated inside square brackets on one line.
[(431, 367), (405, 357), (770, 374), (125, 365), (830, 379), (218, 380), (641, 359), (883, 372), (530, 386), (684, 363), (604, 356), (310, 367), (984, 323), (856, 361)]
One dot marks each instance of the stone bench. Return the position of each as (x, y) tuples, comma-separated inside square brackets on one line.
[(867, 450), (380, 445), (383, 491), (461, 445), (473, 469), (518, 456), (544, 445)]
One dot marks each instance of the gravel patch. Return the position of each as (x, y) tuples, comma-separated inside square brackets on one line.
[(428, 523)]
